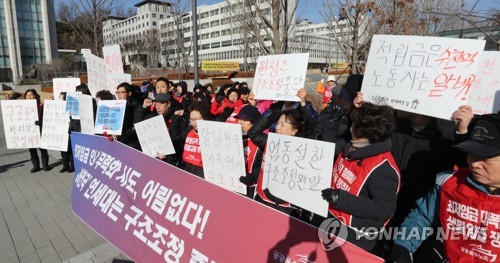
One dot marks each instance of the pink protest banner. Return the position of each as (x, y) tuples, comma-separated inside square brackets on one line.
[(432, 76), (154, 212), (113, 59), (279, 77), (485, 96), (64, 85)]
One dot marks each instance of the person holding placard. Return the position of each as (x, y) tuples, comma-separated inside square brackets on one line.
[(247, 116), (128, 137), (67, 156), (186, 132), (365, 178), (31, 94), (292, 122), (463, 205)]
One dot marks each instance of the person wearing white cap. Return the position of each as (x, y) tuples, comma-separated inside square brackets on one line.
[(328, 91), (464, 203)]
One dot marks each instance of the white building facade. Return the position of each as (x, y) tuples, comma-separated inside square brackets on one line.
[(139, 35)]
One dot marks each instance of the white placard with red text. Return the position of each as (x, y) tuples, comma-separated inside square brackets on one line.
[(96, 72), (64, 85), (113, 59), (426, 75), (485, 96), (279, 77)]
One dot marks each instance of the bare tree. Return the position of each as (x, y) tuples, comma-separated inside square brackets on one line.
[(270, 23), (487, 21), (85, 17)]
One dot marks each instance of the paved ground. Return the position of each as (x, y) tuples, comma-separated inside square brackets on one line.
[(36, 220)]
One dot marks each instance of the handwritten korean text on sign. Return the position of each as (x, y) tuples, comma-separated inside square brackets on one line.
[(426, 75), (154, 137), (96, 72), (485, 96), (19, 117), (222, 153), (64, 85), (55, 126), (113, 59), (279, 77), (297, 169)]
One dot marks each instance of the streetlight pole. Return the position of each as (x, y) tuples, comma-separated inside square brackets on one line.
[(195, 41)]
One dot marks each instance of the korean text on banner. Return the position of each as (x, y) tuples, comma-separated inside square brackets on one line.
[(155, 212), (154, 137), (85, 102), (219, 66), (96, 72), (64, 85), (115, 79), (72, 105), (485, 96), (297, 169), (19, 117), (426, 75), (222, 153), (109, 117), (55, 126), (113, 59), (279, 77)]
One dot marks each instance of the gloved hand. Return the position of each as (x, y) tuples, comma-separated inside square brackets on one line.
[(330, 195), (273, 198), (228, 111), (219, 99), (399, 254), (337, 112)]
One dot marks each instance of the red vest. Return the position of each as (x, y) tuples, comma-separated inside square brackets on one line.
[(327, 94), (192, 153), (260, 181), (236, 111), (250, 150), (350, 177), (470, 219)]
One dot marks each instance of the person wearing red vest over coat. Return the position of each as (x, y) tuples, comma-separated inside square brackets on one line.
[(464, 204), (365, 177), (185, 130)]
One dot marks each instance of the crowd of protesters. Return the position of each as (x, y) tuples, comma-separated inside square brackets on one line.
[(394, 155)]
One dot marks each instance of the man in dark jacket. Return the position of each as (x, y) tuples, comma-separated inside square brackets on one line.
[(128, 137)]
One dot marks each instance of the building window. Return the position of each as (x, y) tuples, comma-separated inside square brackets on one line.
[(214, 23), (226, 20), (225, 32), (186, 19), (161, 16), (205, 36), (215, 34), (204, 25), (226, 43), (215, 45), (204, 15), (214, 12), (154, 23), (238, 41), (205, 46), (153, 15)]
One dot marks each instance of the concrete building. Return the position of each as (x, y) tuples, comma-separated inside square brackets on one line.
[(28, 36), (487, 33), (222, 36), (138, 36)]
